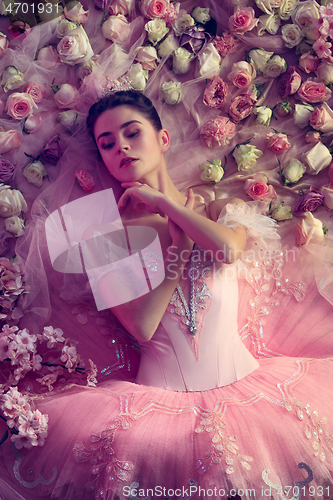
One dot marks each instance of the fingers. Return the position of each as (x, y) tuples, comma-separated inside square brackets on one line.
[(190, 199)]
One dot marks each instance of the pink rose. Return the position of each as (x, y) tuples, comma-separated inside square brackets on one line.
[(9, 140), (3, 43), (154, 8), (311, 200), (290, 82), (241, 107), (76, 13), (66, 96), (215, 93), (278, 142), (308, 62), (36, 90), (116, 28), (20, 105), (311, 91), (53, 150), (48, 57), (85, 180), (225, 44), (7, 170), (218, 131), (258, 189), (312, 137), (242, 73), (242, 21), (32, 124), (18, 28), (322, 118)]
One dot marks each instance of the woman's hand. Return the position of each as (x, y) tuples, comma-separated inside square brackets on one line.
[(175, 231), (142, 196)]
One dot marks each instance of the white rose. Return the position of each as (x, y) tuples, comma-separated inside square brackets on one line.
[(287, 8), (201, 15), (74, 11), (116, 28), (211, 171), (64, 26), (147, 56), (268, 6), (305, 12), (66, 96), (281, 212), (32, 124), (181, 23), (34, 172), (169, 45), (171, 93), (274, 67), (69, 119), (75, 48), (264, 115), (325, 71), (317, 158), (123, 7), (246, 156), (209, 62), (11, 201), (302, 115), (291, 35), (12, 78), (137, 77), (156, 29), (328, 196), (181, 61), (310, 229), (270, 23), (293, 171), (259, 58), (15, 225)]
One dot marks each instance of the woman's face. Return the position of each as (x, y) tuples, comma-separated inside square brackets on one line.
[(131, 148)]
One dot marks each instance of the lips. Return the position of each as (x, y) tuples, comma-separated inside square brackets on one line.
[(127, 161)]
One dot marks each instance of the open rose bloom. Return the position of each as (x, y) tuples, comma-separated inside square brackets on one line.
[(243, 20), (20, 105), (258, 188), (218, 131)]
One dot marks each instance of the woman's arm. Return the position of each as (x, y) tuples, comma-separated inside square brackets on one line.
[(206, 233)]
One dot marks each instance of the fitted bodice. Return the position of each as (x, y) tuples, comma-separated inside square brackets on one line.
[(215, 356)]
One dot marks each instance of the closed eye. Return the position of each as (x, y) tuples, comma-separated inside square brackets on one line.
[(133, 134), (108, 146)]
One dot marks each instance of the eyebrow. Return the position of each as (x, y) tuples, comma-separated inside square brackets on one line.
[(124, 125)]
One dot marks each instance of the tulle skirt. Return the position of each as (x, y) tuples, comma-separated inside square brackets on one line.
[(267, 435)]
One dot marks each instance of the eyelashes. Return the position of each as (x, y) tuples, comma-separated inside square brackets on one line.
[(110, 145)]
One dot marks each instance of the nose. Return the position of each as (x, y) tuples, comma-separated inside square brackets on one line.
[(122, 148)]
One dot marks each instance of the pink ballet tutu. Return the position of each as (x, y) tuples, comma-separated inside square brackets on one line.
[(247, 437)]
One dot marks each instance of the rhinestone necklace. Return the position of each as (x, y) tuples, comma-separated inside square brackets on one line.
[(189, 308)]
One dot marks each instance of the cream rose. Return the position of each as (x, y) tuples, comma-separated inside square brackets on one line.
[(260, 57), (3, 43), (75, 12), (328, 196), (64, 26), (264, 115), (32, 124), (293, 171), (270, 23), (169, 45), (291, 35), (171, 93), (69, 119), (116, 28), (201, 15), (137, 77), (287, 8), (302, 115), (15, 225), (12, 78), (123, 7), (181, 23), (209, 62), (325, 71), (181, 61), (310, 229), (246, 156), (274, 67), (11, 201), (156, 29), (317, 158), (75, 48), (9, 140), (305, 13), (281, 212), (211, 171), (268, 6), (34, 172)]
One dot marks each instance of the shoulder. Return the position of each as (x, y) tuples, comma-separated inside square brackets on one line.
[(216, 206)]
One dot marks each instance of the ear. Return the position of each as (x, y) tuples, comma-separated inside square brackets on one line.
[(164, 139)]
